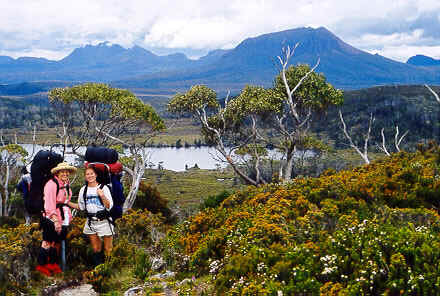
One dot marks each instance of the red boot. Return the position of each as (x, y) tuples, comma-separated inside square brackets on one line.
[(54, 268), (43, 269)]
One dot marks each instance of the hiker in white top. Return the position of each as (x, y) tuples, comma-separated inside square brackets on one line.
[(97, 203)]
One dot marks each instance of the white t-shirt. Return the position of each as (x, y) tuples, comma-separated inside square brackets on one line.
[(94, 203)]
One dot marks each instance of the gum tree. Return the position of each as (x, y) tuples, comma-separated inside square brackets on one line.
[(218, 125), (304, 95), (97, 114), (11, 155), (242, 125)]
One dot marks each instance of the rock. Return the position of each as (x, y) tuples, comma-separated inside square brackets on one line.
[(157, 263), (184, 282), (167, 274), (139, 290), (82, 290)]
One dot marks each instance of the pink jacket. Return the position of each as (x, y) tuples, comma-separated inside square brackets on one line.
[(51, 201)]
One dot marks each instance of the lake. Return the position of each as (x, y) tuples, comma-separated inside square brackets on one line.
[(170, 158)]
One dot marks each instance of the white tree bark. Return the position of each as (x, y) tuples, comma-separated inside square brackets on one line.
[(5, 184), (433, 92), (397, 141), (300, 122), (363, 154), (140, 156), (220, 147), (384, 147)]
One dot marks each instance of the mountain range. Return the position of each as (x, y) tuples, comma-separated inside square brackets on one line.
[(253, 61)]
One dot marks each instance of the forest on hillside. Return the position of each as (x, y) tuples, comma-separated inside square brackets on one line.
[(410, 107)]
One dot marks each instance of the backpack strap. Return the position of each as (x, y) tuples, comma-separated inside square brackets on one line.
[(60, 205), (58, 185), (85, 197)]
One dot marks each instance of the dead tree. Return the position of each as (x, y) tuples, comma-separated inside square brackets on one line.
[(364, 153)]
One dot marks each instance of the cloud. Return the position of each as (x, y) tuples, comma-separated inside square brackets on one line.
[(49, 27)]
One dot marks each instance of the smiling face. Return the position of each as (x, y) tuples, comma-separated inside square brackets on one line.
[(90, 176), (63, 175)]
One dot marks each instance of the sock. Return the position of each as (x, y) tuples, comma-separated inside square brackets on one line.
[(43, 255), (101, 257), (96, 259), (53, 255)]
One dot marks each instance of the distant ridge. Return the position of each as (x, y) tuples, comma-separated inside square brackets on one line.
[(422, 60), (253, 61)]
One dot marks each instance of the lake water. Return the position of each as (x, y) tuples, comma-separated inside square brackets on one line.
[(170, 158), (174, 159)]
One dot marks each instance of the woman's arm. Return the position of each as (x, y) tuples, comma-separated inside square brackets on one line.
[(73, 205), (106, 197), (50, 204)]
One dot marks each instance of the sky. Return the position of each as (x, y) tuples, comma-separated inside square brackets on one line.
[(396, 29)]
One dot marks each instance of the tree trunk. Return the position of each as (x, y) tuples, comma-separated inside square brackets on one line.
[(1, 204), (6, 191), (289, 165), (134, 188), (138, 172), (242, 175)]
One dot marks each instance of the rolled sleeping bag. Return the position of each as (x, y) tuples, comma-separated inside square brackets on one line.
[(101, 154), (114, 168)]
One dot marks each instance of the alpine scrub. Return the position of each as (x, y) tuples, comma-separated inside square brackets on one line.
[(372, 230)]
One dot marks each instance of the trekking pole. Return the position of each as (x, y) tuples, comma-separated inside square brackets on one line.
[(63, 255)]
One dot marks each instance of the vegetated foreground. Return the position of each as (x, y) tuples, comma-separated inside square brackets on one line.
[(373, 230)]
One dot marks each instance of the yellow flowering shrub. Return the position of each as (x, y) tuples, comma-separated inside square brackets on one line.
[(371, 230)]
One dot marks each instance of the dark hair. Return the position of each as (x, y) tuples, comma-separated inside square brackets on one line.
[(93, 168)]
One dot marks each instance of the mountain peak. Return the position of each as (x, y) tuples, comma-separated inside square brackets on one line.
[(422, 60)]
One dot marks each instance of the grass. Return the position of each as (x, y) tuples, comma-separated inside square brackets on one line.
[(187, 189), (183, 129)]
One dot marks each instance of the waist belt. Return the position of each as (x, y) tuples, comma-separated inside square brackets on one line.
[(99, 216), (60, 206)]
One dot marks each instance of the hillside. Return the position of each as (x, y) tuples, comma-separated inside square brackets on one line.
[(254, 61), (411, 108), (373, 230), (422, 60)]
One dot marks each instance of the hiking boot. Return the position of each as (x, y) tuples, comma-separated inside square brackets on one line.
[(43, 270), (53, 268)]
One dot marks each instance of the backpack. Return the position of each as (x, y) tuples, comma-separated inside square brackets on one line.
[(109, 174), (42, 163), (24, 186)]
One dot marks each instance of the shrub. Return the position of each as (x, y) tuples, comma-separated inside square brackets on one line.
[(373, 230), (149, 198), (213, 201)]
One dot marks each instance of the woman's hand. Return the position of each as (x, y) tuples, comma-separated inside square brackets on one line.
[(104, 199), (100, 192), (57, 226)]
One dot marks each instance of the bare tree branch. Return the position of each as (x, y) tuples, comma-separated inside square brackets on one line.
[(364, 154), (397, 140), (433, 92), (384, 148)]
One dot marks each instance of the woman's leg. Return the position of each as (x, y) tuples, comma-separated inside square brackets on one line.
[(108, 245), (95, 242)]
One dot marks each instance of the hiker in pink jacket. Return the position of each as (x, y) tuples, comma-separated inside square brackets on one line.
[(56, 218)]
